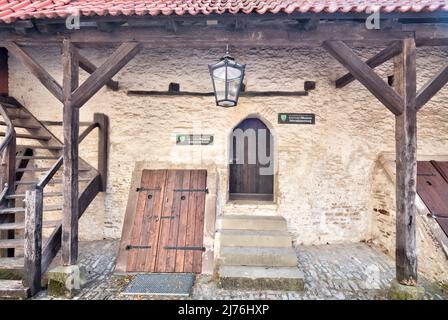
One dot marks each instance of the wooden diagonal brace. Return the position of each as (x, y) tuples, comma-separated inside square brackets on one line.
[(364, 74), (44, 77), (105, 72), (377, 60), (431, 88), (89, 67)]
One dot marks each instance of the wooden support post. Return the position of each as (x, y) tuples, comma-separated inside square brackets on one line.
[(406, 165), (70, 156), (103, 141), (33, 240)]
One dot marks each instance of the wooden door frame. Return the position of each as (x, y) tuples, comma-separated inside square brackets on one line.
[(274, 151), (208, 257)]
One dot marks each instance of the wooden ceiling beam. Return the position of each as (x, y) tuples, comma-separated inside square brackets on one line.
[(377, 60), (364, 74)]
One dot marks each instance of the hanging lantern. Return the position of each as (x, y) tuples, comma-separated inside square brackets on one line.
[(227, 77)]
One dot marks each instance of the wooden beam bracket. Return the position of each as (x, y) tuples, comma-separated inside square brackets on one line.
[(36, 69), (105, 72), (364, 74), (89, 67), (432, 87), (377, 60)]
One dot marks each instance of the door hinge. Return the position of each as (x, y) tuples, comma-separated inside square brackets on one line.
[(185, 248), (130, 247), (426, 174), (146, 189), (191, 190)]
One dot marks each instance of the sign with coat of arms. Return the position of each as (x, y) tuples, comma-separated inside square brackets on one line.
[(296, 118)]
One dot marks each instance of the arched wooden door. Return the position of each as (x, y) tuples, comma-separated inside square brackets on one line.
[(251, 162)]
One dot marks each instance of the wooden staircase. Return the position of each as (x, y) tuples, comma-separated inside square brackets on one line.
[(32, 165)]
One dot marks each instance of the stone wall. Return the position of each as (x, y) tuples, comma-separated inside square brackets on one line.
[(324, 172), (432, 247)]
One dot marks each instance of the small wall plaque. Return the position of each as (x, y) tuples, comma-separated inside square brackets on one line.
[(296, 118), (194, 139)]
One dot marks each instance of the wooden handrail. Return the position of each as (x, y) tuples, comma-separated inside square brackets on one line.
[(10, 131), (8, 154), (50, 174)]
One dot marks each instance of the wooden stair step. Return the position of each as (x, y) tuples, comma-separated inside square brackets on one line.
[(12, 226), (12, 210), (22, 210), (41, 147), (13, 289), (11, 263), (44, 169), (19, 116), (55, 181), (46, 224), (46, 195), (22, 125), (37, 158), (29, 136), (11, 243)]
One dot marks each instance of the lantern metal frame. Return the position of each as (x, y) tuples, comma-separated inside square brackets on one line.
[(227, 62)]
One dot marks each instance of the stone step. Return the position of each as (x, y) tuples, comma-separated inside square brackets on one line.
[(255, 238), (246, 222), (261, 278), (262, 257), (11, 268), (13, 289)]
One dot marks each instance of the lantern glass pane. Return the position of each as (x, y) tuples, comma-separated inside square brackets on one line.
[(219, 71), (233, 73), (220, 86), (233, 89)]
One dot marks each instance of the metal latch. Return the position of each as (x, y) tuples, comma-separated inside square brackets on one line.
[(129, 247), (140, 189), (191, 190), (438, 216), (184, 248)]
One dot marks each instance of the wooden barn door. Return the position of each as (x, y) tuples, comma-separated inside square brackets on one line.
[(247, 180), (167, 229)]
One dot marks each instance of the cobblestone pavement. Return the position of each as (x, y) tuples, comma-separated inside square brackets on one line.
[(345, 271)]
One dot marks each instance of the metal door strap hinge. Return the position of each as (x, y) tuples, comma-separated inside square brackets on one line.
[(168, 217), (146, 189), (129, 247), (426, 174), (438, 216), (185, 248), (191, 190)]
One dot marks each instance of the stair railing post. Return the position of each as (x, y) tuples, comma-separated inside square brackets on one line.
[(103, 141), (8, 180), (8, 175), (33, 239)]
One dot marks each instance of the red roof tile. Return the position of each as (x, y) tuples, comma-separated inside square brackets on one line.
[(11, 10)]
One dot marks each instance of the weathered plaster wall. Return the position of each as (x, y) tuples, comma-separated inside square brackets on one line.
[(324, 171)]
